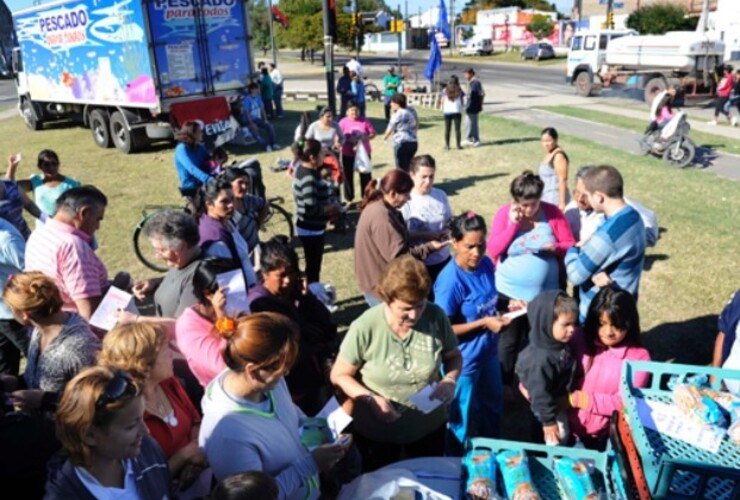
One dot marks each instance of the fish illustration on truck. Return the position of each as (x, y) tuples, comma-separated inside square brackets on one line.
[(131, 70)]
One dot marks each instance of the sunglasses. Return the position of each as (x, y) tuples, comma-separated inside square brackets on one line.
[(119, 387)]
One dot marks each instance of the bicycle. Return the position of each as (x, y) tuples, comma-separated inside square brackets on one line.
[(276, 221), (372, 92)]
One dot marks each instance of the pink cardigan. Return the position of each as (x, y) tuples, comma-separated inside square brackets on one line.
[(200, 345), (601, 382), (503, 231)]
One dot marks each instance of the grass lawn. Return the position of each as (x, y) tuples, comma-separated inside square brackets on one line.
[(690, 276), (513, 56), (713, 141)]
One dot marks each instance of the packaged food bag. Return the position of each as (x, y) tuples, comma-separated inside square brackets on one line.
[(515, 472), (574, 479), (481, 480)]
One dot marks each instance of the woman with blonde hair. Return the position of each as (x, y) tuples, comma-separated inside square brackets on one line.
[(391, 352), (100, 424), (142, 350), (249, 419), (61, 342)]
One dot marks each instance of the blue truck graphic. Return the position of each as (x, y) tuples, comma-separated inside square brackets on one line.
[(121, 66)]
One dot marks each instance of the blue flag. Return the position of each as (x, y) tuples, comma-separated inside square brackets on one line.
[(443, 25), (435, 58)]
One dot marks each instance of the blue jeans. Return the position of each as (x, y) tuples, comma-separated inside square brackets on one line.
[(267, 127), (277, 98), (476, 408), (404, 153)]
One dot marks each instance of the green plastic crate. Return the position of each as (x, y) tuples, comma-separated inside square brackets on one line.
[(674, 468), (540, 465)]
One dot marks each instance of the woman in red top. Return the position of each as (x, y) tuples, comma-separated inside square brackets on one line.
[(724, 87), (142, 349)]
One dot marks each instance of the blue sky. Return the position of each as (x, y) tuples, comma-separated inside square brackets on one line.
[(563, 5)]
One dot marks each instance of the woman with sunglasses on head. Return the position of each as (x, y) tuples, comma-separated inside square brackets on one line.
[(48, 185), (142, 350), (390, 353), (61, 343), (249, 419), (466, 291), (100, 423)]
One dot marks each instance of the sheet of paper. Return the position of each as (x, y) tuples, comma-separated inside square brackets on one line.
[(236, 293), (422, 400), (669, 420), (515, 314), (106, 315), (335, 416)]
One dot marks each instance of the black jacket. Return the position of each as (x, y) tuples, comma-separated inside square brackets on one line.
[(475, 97), (545, 367), (150, 470)]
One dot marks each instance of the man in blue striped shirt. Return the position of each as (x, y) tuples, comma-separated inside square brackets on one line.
[(616, 249)]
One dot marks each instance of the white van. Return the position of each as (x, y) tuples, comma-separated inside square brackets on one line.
[(477, 47)]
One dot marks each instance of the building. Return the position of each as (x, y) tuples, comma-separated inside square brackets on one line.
[(591, 8), (376, 18), (427, 19), (507, 26)]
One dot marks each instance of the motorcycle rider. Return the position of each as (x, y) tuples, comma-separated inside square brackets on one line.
[(662, 110)]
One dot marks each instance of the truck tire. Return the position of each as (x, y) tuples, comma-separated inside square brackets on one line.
[(654, 86), (29, 117), (100, 128), (126, 140), (584, 84)]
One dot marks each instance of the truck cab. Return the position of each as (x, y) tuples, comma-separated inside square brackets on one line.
[(477, 46), (586, 54)]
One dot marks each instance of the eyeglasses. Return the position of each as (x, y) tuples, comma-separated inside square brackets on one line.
[(119, 387)]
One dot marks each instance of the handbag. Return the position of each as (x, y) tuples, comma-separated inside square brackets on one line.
[(362, 160)]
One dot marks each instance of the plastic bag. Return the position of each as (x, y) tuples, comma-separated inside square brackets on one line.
[(515, 472), (574, 479), (362, 159), (481, 468)]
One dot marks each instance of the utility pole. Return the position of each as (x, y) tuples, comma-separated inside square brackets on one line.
[(272, 34), (358, 22), (400, 33), (451, 41), (329, 29), (609, 14)]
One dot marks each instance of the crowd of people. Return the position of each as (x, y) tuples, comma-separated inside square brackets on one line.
[(201, 399)]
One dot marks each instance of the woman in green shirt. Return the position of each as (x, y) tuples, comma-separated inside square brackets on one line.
[(391, 352)]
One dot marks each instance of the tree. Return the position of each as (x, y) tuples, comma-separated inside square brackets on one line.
[(541, 27), (260, 19), (657, 19)]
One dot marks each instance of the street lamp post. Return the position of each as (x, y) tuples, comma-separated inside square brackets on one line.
[(272, 34)]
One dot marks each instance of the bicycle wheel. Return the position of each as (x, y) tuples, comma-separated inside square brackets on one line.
[(372, 92), (143, 249), (277, 221)]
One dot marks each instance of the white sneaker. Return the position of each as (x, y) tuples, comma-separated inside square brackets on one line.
[(733, 121), (713, 122), (466, 142), (476, 144), (268, 148)]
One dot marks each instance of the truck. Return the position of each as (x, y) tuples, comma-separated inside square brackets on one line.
[(650, 63), (132, 70)]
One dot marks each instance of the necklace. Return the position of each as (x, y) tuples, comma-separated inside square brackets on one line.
[(159, 408)]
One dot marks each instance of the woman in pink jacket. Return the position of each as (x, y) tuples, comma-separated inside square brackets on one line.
[(527, 243), (610, 337)]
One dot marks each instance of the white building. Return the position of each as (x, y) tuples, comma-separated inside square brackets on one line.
[(426, 19)]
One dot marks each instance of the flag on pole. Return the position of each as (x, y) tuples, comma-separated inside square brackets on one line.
[(435, 58), (443, 25), (279, 16)]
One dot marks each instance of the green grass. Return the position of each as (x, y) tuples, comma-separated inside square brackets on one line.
[(718, 142), (694, 267), (504, 57)]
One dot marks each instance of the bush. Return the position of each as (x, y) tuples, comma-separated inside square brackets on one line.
[(658, 19)]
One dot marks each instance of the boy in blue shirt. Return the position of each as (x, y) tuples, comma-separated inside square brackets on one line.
[(254, 116)]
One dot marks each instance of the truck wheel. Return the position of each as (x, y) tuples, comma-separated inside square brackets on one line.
[(654, 87), (123, 137), (29, 117), (99, 128), (584, 84)]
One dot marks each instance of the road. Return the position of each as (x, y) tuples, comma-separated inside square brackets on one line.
[(7, 93)]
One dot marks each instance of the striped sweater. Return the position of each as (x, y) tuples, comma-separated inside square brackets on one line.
[(617, 248), (311, 195)]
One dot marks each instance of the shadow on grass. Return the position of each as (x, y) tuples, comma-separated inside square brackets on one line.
[(705, 155), (517, 140), (452, 186), (650, 260), (349, 310), (690, 341)]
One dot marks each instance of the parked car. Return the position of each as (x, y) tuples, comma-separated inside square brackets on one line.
[(477, 47), (538, 51)]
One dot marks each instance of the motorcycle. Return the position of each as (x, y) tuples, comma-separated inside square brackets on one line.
[(672, 142)]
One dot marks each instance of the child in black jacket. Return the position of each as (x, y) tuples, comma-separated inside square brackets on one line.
[(546, 366)]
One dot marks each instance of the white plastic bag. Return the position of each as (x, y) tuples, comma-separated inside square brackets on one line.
[(362, 159)]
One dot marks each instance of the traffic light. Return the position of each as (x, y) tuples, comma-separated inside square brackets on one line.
[(610, 20), (396, 26)]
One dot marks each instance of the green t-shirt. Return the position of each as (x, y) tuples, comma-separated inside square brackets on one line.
[(394, 82), (396, 369)]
